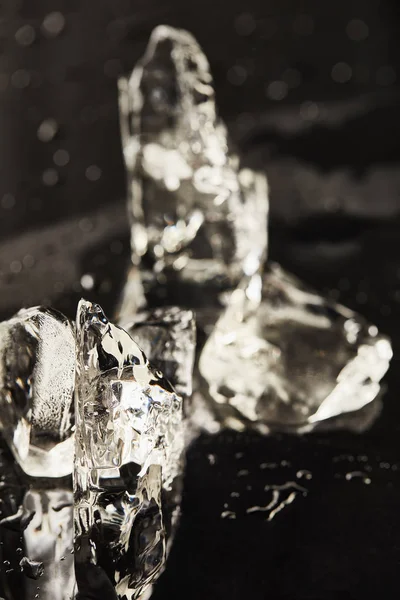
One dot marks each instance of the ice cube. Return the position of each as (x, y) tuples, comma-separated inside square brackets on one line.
[(199, 221), (37, 378), (282, 357), (128, 461)]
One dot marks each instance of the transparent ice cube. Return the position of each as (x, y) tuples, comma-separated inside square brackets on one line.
[(128, 461), (37, 378), (199, 221), (282, 357)]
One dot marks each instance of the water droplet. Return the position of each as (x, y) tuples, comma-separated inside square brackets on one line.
[(341, 72), (358, 475), (243, 473), (228, 514), (93, 173), (211, 459), (50, 177), (53, 24), (87, 281), (61, 157), (277, 90), (304, 473), (357, 30), (47, 130), (25, 35)]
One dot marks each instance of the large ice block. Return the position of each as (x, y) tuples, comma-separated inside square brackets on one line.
[(37, 378), (281, 357), (199, 221), (128, 461)]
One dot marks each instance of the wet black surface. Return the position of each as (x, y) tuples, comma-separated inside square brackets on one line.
[(335, 190)]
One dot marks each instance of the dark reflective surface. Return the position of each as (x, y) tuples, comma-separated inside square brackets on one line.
[(334, 180)]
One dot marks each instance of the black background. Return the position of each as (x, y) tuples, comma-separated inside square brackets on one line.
[(331, 150)]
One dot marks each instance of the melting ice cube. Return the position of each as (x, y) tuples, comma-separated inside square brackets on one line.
[(37, 378), (199, 222), (282, 357), (129, 443)]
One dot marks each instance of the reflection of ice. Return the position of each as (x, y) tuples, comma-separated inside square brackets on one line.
[(129, 442), (37, 370), (48, 539), (197, 218)]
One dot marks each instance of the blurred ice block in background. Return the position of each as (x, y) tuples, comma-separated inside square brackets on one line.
[(199, 222)]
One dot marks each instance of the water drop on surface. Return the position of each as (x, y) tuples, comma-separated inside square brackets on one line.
[(358, 475), (243, 473), (228, 514), (211, 459), (304, 473)]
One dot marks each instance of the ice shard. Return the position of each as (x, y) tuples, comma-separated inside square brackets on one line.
[(168, 338), (199, 221), (281, 357), (128, 462), (37, 378)]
